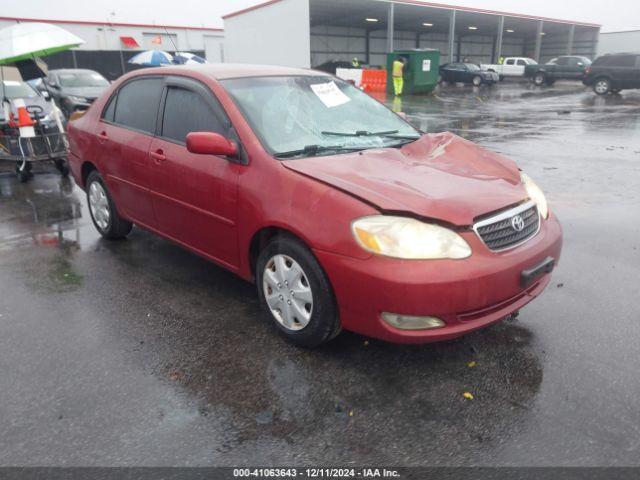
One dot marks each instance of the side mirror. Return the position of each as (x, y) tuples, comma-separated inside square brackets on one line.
[(209, 143)]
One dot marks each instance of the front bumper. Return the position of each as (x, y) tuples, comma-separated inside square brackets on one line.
[(466, 294)]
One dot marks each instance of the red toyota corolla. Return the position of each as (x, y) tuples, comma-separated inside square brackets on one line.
[(344, 215)]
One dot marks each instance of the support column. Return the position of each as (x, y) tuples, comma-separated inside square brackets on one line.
[(417, 40), (572, 31), (452, 34), (367, 47), (390, 32), (536, 56), (499, 38)]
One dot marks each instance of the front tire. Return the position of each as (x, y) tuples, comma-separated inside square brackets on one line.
[(602, 86), (295, 293), (103, 211), (539, 79)]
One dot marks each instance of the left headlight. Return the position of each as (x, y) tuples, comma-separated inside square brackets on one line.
[(536, 194), (407, 238)]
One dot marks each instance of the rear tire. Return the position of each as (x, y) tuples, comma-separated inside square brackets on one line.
[(477, 81), (62, 166), (103, 211), (602, 86), (286, 266)]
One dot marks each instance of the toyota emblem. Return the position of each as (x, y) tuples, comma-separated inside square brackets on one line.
[(517, 223)]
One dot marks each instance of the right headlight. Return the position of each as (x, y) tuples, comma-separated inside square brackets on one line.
[(536, 194), (407, 238), (74, 99)]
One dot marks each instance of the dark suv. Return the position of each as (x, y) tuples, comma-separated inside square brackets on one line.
[(613, 72)]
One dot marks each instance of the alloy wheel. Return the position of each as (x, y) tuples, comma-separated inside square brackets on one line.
[(602, 86), (287, 292), (99, 205)]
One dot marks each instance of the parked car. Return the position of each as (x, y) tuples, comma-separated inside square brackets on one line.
[(74, 88), (566, 67), (467, 73), (332, 66), (613, 72), (344, 215), (510, 67)]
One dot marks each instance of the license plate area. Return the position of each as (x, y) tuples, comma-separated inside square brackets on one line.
[(528, 276)]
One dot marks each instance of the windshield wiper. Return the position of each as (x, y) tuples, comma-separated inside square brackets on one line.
[(364, 133), (361, 133), (313, 150)]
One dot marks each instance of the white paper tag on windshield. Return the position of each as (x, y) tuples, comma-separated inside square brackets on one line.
[(330, 94)]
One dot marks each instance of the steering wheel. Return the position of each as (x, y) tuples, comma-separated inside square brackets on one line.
[(35, 110)]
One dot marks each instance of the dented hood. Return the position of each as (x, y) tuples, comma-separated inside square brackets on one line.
[(440, 176)]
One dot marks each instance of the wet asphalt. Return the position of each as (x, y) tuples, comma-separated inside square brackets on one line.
[(140, 353)]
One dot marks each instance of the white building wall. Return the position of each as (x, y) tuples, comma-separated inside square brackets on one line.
[(275, 34), (107, 37), (616, 42)]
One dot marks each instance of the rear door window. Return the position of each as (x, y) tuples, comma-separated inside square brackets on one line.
[(623, 61), (137, 104), (511, 61), (186, 111), (109, 112)]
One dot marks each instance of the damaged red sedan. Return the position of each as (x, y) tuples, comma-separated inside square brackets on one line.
[(344, 215)]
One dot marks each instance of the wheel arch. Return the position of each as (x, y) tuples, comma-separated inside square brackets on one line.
[(86, 168), (265, 234)]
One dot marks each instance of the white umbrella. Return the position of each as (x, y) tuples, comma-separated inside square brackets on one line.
[(152, 58), (34, 39)]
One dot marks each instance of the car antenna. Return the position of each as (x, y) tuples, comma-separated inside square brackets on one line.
[(175, 49)]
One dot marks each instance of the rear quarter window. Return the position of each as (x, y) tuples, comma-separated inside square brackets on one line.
[(137, 104)]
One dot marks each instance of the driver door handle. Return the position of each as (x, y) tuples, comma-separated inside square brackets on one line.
[(102, 137), (158, 156)]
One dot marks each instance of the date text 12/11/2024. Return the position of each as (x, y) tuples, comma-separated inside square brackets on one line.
[(315, 473)]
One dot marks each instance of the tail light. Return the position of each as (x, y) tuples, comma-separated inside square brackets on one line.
[(587, 70)]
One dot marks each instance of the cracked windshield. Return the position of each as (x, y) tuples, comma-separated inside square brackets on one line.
[(306, 115)]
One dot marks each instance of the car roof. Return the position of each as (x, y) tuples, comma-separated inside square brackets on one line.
[(222, 71), (71, 70)]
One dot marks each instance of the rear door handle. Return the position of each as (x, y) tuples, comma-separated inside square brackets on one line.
[(158, 156)]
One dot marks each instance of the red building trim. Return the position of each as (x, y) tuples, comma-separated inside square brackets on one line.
[(115, 24), (443, 6), (249, 9)]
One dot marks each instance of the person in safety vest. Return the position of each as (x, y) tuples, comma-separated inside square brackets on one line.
[(355, 63), (397, 72)]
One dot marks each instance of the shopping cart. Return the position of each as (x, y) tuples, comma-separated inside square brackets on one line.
[(48, 145)]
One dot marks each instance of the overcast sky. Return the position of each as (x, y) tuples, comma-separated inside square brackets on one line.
[(614, 15)]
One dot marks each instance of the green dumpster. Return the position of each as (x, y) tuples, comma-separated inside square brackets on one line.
[(420, 71)]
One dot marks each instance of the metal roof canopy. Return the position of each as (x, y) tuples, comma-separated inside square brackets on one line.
[(410, 15)]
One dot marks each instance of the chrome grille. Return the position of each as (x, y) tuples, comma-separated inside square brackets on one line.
[(510, 228)]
